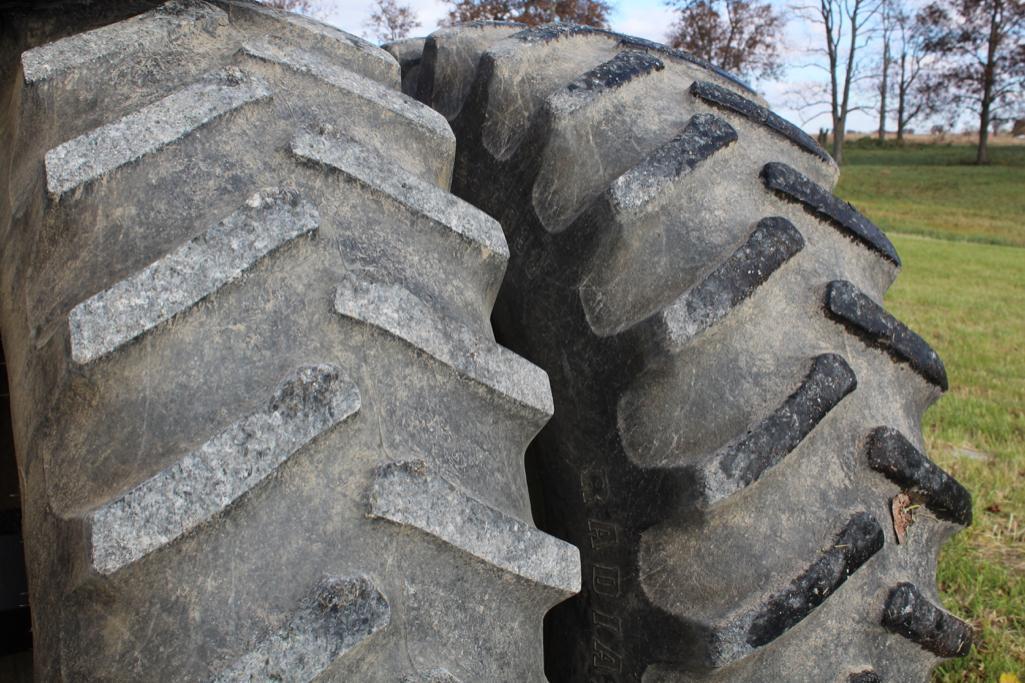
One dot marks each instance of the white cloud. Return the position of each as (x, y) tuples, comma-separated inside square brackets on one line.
[(352, 15), (649, 20)]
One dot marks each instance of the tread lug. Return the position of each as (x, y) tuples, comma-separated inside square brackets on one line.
[(338, 614), (410, 493), (210, 479), (851, 307), (910, 614)]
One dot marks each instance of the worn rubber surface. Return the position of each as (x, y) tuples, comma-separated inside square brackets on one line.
[(264, 431), (734, 410)]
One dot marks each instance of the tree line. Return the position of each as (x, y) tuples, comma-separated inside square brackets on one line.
[(910, 61)]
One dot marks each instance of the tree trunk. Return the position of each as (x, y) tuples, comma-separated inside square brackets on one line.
[(902, 93), (901, 123), (982, 155), (882, 89), (839, 132), (988, 76)]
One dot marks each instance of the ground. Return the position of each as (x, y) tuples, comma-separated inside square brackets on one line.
[(960, 230)]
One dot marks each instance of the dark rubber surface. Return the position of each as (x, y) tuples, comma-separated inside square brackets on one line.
[(721, 97), (913, 616), (893, 456), (791, 184), (868, 320)]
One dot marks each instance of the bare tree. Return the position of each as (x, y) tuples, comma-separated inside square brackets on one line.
[(982, 47), (846, 27), (887, 25), (741, 36), (530, 12), (914, 89), (391, 21)]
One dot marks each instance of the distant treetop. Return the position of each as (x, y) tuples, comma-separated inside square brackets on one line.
[(391, 21), (741, 36), (530, 12)]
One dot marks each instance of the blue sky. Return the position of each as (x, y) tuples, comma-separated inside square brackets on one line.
[(648, 19)]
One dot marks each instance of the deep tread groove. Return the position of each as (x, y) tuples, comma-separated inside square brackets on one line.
[(213, 477), (796, 187), (337, 615), (860, 539), (410, 493), (723, 98), (178, 281), (455, 61), (892, 455), (409, 53), (744, 461), (773, 242), (912, 615), (851, 307)]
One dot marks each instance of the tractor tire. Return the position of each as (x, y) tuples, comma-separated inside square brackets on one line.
[(408, 53), (736, 417), (263, 428)]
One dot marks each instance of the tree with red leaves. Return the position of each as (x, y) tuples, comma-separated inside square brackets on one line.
[(741, 36)]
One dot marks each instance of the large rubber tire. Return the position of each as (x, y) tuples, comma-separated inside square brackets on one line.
[(735, 413), (263, 428), (408, 53)]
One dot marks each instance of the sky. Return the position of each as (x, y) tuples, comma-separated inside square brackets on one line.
[(649, 19)]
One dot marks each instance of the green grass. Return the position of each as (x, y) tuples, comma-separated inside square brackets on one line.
[(934, 190), (968, 300)]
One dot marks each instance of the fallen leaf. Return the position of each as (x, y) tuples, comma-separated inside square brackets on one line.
[(1007, 677), (903, 516)]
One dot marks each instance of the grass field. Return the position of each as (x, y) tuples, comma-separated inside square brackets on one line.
[(934, 190), (968, 300)]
